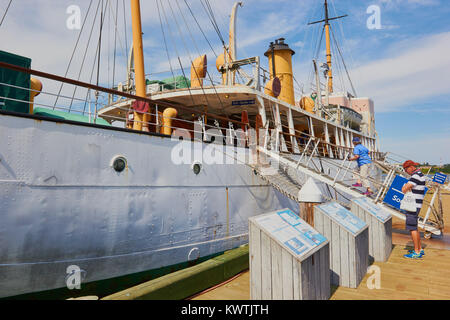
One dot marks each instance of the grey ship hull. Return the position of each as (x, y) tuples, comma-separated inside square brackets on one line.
[(62, 204)]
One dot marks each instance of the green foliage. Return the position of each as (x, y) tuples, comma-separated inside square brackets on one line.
[(434, 169)]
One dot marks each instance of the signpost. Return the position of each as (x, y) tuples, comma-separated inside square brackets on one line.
[(289, 260), (349, 243), (395, 195), (440, 178), (380, 227)]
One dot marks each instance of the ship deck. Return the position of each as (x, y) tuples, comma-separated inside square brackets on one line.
[(401, 279)]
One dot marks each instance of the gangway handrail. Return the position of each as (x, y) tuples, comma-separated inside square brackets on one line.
[(425, 225)]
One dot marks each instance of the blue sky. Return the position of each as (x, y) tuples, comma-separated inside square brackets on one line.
[(404, 66)]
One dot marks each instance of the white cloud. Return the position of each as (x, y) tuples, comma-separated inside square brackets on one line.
[(429, 148), (416, 69)]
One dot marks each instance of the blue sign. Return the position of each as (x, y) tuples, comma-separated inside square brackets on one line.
[(243, 102), (395, 195), (440, 178)]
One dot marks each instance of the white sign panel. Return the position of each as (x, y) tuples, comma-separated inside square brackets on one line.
[(372, 208), (344, 217), (292, 231)]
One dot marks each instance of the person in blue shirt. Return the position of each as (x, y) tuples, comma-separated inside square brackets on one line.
[(361, 155)]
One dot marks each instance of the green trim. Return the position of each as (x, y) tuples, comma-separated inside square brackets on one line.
[(185, 283), (107, 287), (61, 115), (18, 79)]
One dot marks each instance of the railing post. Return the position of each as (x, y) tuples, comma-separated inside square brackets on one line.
[(294, 144), (262, 110), (327, 140)]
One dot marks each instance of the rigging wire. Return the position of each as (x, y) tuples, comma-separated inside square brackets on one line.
[(165, 42), (108, 18), (196, 21), (189, 54), (100, 42), (316, 55), (343, 62), (341, 28), (125, 27), (313, 43), (175, 46), (85, 54), (6, 12), (212, 19), (199, 53), (338, 65), (115, 15), (95, 63), (73, 53), (115, 42)]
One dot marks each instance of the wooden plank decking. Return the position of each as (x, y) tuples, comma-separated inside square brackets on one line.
[(401, 279)]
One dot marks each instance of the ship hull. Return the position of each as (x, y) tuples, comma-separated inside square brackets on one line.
[(62, 204)]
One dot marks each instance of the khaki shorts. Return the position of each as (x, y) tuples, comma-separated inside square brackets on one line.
[(363, 172)]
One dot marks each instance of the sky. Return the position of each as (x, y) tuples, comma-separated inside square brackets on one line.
[(402, 63)]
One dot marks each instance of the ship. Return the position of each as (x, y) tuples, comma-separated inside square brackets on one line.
[(157, 175)]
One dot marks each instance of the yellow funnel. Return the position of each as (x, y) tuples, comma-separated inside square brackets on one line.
[(280, 64)]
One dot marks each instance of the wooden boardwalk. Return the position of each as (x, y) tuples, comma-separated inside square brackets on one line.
[(401, 279)]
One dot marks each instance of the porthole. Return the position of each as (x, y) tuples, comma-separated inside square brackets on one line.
[(119, 164), (197, 168)]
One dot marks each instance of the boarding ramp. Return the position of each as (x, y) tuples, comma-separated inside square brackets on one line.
[(284, 173)]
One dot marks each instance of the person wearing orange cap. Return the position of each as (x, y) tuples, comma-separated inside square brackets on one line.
[(417, 186)]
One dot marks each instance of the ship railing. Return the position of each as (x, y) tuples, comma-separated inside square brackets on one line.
[(325, 149), (318, 148), (73, 96), (206, 133)]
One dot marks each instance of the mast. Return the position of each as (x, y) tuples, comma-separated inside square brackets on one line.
[(328, 43), (327, 37), (139, 71)]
